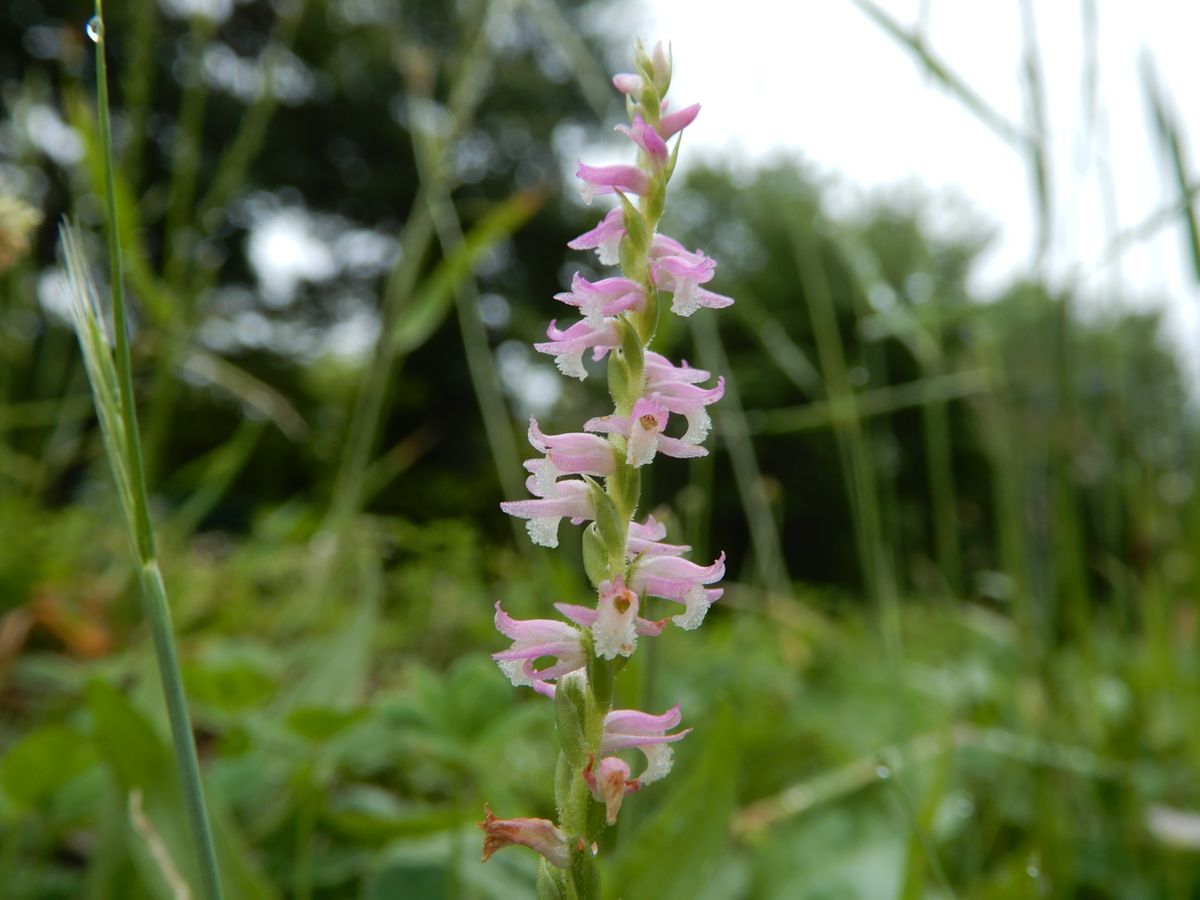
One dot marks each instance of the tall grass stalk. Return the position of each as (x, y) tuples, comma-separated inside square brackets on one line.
[(112, 390)]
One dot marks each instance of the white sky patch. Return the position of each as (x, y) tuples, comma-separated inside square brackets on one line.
[(823, 81), (351, 337), (285, 251), (54, 137), (531, 382), (217, 10)]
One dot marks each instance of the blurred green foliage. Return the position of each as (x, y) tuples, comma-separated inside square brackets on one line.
[(958, 652)]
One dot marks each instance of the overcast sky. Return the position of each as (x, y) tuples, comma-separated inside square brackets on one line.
[(820, 78)]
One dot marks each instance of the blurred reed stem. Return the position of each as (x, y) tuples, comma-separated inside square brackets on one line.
[(188, 218), (371, 400), (481, 366), (878, 401), (877, 571), (138, 86), (764, 532), (939, 467), (998, 428)]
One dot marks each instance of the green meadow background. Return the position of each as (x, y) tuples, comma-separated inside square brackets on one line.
[(957, 653)]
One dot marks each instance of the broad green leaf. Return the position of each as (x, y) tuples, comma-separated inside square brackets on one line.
[(40, 762)]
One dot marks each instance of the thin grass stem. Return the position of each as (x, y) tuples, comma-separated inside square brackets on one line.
[(154, 595)]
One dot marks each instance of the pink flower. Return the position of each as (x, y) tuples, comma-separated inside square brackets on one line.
[(675, 386), (567, 346), (608, 179), (560, 500), (574, 453), (614, 622), (605, 238), (661, 371), (630, 729), (532, 640), (609, 782), (662, 246), (643, 432), (645, 539), (606, 297), (671, 123), (647, 139), (676, 269), (538, 834), (683, 581)]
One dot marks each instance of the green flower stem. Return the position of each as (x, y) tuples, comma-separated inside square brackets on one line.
[(154, 594)]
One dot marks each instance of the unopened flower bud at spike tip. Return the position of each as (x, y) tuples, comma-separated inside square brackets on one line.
[(660, 61), (647, 139), (630, 85)]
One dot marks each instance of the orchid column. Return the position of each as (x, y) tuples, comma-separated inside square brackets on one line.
[(587, 477)]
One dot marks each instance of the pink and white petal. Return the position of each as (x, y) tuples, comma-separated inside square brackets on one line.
[(635, 722), (675, 122), (697, 601), (678, 449)]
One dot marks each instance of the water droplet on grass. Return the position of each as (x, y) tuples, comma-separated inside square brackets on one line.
[(95, 29)]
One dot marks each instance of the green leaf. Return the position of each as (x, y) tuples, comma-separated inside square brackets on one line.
[(337, 675), (40, 762), (230, 686), (319, 723)]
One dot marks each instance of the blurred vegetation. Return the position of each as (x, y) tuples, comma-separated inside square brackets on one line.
[(958, 652)]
